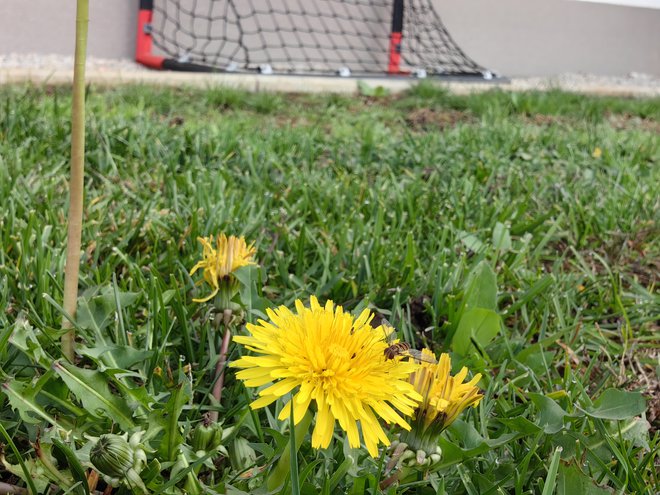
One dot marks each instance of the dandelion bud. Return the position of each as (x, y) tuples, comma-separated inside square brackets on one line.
[(120, 460), (206, 437), (112, 456)]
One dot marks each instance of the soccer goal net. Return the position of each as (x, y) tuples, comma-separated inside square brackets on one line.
[(345, 37)]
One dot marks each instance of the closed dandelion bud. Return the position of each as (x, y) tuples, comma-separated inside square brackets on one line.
[(201, 437), (217, 437), (207, 437), (120, 460), (112, 456)]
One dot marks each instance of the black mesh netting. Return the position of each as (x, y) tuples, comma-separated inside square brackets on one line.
[(304, 36)]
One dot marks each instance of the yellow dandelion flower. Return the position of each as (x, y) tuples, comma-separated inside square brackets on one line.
[(444, 398), (229, 254), (324, 355)]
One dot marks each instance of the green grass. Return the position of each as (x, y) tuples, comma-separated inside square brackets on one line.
[(387, 201)]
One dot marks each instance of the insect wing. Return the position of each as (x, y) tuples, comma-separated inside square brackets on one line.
[(420, 356)]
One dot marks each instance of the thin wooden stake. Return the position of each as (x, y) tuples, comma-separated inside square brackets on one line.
[(76, 181)]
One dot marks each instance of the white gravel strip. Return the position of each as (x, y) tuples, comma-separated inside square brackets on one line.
[(65, 62), (58, 69)]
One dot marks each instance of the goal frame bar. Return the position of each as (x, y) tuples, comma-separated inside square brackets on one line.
[(144, 46), (144, 49)]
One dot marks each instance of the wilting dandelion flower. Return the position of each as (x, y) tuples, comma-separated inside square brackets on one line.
[(329, 357), (444, 398), (229, 254)]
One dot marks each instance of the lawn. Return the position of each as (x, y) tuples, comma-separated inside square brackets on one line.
[(516, 232)]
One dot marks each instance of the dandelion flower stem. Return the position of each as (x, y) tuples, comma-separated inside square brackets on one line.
[(219, 377), (390, 480)]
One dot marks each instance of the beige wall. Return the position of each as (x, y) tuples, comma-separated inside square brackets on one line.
[(514, 37), (539, 37), (47, 26)]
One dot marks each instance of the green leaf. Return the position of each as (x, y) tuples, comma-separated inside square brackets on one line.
[(97, 311), (617, 404), (637, 432), (479, 324), (470, 241), (501, 237), (137, 397), (123, 356), (535, 358), (27, 474), (551, 415), (473, 443), (151, 474), (248, 292), (364, 89), (173, 438), (25, 337), (359, 486), (168, 295), (22, 397), (520, 424), (175, 478), (279, 473), (571, 481), (339, 473), (75, 467), (481, 288), (231, 490), (91, 388)]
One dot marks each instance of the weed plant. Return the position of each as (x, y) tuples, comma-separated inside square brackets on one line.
[(539, 210)]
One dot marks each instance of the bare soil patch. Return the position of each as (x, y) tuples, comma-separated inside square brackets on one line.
[(426, 119), (626, 121)]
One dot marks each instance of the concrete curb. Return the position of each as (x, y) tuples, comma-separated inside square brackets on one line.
[(308, 84)]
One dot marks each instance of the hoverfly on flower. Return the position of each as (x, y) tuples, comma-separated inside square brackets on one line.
[(403, 349)]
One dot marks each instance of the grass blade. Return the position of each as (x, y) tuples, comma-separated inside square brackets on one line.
[(551, 479), (26, 472), (295, 482)]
